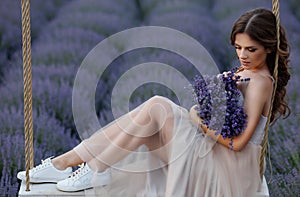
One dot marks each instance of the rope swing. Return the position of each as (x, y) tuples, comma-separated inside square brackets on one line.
[(27, 77), (27, 83), (264, 144)]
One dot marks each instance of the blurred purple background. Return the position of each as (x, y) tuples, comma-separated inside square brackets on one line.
[(64, 31)]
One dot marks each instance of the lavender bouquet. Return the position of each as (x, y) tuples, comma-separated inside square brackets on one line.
[(217, 99)]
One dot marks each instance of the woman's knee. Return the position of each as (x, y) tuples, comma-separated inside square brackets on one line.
[(160, 110), (157, 106), (158, 100)]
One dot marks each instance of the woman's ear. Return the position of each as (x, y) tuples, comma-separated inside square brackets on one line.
[(269, 50)]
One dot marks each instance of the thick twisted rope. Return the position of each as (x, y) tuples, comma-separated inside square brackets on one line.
[(275, 9), (27, 82)]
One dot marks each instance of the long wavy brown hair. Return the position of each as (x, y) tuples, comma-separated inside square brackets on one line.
[(260, 25)]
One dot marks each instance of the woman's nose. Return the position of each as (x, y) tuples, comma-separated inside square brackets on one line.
[(243, 54)]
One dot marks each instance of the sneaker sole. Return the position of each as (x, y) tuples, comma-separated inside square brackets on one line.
[(33, 180), (72, 189)]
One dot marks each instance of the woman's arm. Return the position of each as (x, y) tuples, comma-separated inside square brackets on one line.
[(256, 96)]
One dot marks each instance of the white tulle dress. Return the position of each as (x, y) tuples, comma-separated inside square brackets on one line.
[(195, 165)]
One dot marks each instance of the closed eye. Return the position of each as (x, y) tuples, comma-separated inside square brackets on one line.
[(252, 50), (237, 47)]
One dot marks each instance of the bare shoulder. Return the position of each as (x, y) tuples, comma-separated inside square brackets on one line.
[(260, 82), (259, 88)]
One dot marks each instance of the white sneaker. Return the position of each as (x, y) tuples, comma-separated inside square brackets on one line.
[(84, 178), (45, 173)]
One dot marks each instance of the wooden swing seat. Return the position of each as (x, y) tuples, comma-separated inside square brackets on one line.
[(49, 190)]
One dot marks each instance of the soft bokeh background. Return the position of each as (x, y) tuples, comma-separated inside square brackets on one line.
[(64, 31)]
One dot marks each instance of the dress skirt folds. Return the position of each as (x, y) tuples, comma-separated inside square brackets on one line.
[(195, 165)]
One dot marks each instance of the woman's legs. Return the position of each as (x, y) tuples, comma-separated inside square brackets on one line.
[(149, 124)]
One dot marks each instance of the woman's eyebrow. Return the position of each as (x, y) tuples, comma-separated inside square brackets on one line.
[(245, 47)]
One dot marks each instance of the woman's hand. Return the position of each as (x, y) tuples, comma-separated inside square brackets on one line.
[(194, 117), (211, 133), (226, 73), (199, 122)]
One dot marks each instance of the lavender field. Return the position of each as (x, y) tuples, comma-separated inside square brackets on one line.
[(63, 33)]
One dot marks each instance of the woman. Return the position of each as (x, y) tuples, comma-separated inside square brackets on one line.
[(181, 160)]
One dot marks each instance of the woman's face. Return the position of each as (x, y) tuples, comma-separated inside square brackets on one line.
[(251, 54)]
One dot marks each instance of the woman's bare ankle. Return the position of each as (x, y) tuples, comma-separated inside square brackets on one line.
[(58, 164)]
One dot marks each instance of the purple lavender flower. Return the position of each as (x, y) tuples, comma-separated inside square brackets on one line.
[(215, 94)]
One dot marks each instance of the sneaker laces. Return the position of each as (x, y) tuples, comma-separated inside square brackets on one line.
[(82, 170), (44, 164)]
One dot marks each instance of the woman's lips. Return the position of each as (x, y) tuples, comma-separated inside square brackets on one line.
[(244, 63)]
